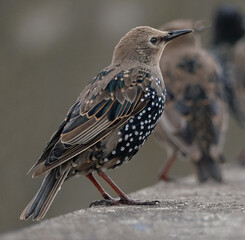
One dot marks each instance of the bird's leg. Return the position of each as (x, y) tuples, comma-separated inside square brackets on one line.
[(241, 157), (98, 186), (123, 198), (118, 191), (167, 166)]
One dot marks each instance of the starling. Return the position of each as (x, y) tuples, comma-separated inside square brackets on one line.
[(229, 49), (195, 119), (228, 29), (228, 25), (238, 73), (110, 121)]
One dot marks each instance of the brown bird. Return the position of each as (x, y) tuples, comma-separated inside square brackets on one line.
[(110, 121), (195, 118)]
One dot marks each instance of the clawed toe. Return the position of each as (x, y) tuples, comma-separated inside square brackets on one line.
[(113, 202), (152, 203), (146, 203), (104, 202)]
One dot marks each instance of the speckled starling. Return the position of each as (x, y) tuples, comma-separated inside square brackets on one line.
[(195, 119), (109, 122)]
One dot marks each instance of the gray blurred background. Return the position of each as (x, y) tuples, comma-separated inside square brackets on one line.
[(49, 50)]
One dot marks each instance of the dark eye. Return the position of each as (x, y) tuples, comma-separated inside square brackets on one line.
[(153, 40)]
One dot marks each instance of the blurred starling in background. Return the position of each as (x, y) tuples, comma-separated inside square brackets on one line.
[(229, 49), (228, 29), (110, 121), (228, 25), (238, 72), (195, 118)]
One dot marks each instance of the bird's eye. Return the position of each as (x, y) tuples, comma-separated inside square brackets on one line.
[(153, 40)]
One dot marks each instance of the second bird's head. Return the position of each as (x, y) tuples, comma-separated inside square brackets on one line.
[(144, 45)]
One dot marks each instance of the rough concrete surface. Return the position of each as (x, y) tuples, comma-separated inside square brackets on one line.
[(187, 210)]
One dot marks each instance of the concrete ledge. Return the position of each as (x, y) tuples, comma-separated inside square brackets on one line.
[(187, 211)]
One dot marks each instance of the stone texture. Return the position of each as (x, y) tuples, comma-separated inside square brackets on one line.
[(187, 210)]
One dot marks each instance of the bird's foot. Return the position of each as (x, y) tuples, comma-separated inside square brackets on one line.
[(137, 202), (166, 178), (114, 202)]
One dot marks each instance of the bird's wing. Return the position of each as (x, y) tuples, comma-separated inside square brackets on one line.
[(194, 96), (102, 107)]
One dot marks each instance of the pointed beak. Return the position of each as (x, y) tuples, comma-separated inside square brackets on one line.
[(173, 34)]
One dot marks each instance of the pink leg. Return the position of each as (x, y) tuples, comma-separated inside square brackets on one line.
[(241, 157), (123, 198), (118, 191), (167, 166), (98, 186)]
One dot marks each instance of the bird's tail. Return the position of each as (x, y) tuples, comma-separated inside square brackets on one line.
[(207, 168), (39, 205)]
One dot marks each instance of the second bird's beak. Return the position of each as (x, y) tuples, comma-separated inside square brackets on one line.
[(173, 34)]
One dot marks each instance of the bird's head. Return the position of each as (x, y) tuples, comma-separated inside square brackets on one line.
[(144, 45)]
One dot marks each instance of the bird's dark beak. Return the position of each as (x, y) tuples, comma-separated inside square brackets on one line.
[(173, 34)]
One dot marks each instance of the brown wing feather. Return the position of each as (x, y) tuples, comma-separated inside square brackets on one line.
[(97, 121), (75, 150), (54, 138)]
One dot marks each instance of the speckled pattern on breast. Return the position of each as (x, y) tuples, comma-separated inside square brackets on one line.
[(134, 133)]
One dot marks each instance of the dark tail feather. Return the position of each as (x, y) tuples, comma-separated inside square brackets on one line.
[(40, 204), (207, 168)]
